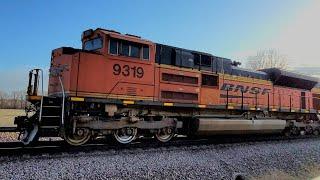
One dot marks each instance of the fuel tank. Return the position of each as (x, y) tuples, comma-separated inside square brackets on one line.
[(214, 126)]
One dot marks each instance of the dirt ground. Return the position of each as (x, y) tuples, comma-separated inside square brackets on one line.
[(312, 173), (7, 116)]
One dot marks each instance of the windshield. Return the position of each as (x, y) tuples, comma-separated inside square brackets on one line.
[(93, 44)]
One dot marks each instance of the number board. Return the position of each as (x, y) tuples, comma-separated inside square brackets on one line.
[(126, 70)]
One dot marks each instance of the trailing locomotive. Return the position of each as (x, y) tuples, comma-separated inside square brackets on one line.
[(128, 87)]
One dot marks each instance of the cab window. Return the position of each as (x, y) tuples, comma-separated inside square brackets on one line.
[(130, 49), (93, 44), (134, 51), (146, 52), (113, 47), (124, 49)]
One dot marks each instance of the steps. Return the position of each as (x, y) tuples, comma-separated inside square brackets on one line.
[(51, 112)]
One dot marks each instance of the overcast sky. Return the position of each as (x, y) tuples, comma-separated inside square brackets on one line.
[(232, 29)]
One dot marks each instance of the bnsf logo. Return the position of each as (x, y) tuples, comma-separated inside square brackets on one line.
[(244, 89)]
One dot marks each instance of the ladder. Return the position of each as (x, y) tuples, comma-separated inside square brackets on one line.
[(51, 113)]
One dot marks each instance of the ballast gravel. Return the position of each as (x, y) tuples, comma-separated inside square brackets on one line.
[(9, 136), (14, 137), (192, 162)]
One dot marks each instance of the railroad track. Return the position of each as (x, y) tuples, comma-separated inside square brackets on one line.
[(60, 147)]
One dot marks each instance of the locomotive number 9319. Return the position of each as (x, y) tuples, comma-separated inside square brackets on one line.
[(126, 70)]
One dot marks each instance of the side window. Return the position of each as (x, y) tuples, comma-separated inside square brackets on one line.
[(124, 49), (93, 44), (135, 51), (196, 59), (127, 48), (209, 80), (205, 61), (184, 59), (113, 47), (146, 52)]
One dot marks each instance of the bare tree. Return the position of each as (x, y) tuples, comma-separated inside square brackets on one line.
[(22, 99), (13, 100), (267, 59), (14, 97), (2, 99), (18, 99)]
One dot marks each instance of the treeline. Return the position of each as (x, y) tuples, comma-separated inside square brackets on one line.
[(13, 100)]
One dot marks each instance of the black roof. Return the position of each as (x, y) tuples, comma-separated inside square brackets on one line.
[(291, 79), (237, 71)]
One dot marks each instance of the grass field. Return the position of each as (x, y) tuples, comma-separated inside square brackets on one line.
[(7, 116)]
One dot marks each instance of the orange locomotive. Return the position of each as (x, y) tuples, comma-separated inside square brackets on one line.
[(129, 87)]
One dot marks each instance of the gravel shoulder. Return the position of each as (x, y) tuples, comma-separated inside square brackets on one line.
[(255, 160)]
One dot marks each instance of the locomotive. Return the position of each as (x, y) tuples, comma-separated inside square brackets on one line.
[(124, 87)]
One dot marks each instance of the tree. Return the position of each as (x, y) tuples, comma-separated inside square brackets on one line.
[(13, 100), (267, 59), (18, 99), (14, 97), (2, 99)]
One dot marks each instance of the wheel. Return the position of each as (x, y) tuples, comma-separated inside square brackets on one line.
[(125, 135), (80, 137), (316, 132), (165, 134)]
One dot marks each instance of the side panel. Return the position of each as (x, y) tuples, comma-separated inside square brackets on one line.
[(114, 77), (255, 91), (290, 98), (92, 74), (210, 96), (178, 84), (69, 75), (210, 92)]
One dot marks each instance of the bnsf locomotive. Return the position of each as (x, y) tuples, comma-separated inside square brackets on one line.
[(125, 87)]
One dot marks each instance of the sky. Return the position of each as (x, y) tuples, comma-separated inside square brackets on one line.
[(234, 29)]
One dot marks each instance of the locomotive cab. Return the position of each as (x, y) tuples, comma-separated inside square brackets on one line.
[(93, 41), (108, 65)]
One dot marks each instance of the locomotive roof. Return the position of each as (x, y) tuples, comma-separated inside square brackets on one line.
[(192, 51), (291, 79), (123, 36)]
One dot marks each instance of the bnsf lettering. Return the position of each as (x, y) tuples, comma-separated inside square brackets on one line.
[(126, 71), (240, 88)]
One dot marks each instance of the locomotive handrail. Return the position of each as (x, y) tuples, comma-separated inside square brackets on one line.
[(292, 102), (33, 90), (57, 71), (42, 94), (63, 101)]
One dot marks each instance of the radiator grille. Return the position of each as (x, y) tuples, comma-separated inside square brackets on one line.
[(132, 91), (179, 78), (179, 95)]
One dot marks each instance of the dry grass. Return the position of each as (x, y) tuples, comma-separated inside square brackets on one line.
[(276, 175), (309, 172), (7, 116)]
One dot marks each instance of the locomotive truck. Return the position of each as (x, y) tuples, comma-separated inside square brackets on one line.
[(124, 87)]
